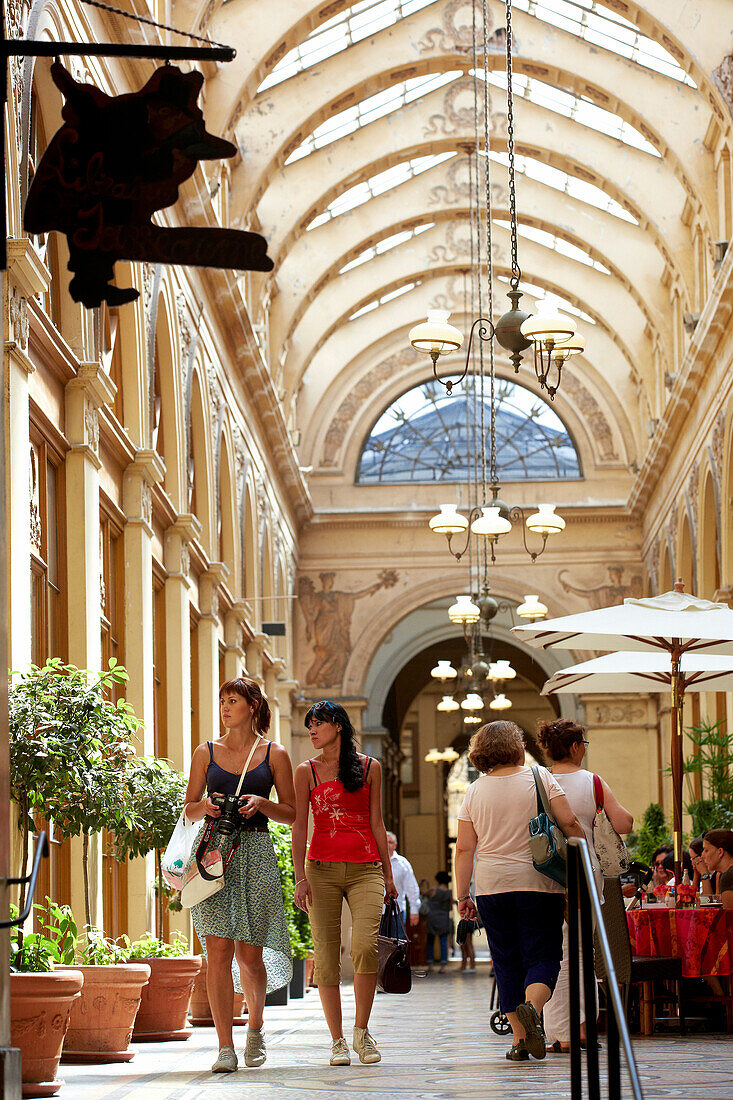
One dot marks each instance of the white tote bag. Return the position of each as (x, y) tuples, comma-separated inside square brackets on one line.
[(178, 852), (609, 847)]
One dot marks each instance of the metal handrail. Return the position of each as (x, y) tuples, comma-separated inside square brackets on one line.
[(584, 907), (41, 850)]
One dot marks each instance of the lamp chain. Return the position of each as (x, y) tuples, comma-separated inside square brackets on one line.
[(489, 249), (482, 407), (516, 270)]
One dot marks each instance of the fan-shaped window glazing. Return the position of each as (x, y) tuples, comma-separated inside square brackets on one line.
[(426, 436)]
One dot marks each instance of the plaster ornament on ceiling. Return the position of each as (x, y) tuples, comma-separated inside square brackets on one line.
[(458, 234), (362, 391), (327, 614), (456, 33), (114, 163), (457, 116), (458, 188), (612, 591), (594, 416)]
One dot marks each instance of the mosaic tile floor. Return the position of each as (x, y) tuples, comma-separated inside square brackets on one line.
[(435, 1043)]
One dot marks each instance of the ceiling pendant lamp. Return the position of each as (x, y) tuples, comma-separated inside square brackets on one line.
[(500, 703)]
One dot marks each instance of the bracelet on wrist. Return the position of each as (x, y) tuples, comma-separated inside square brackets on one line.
[(304, 879), (466, 898)]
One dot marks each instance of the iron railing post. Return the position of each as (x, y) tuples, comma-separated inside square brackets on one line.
[(576, 1068)]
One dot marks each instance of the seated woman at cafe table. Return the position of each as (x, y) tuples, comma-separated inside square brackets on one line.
[(702, 879), (717, 850)]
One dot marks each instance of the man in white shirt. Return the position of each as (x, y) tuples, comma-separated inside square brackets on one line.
[(405, 881)]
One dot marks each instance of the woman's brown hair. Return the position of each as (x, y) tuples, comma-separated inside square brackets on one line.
[(496, 743), (252, 692), (558, 737), (721, 838)]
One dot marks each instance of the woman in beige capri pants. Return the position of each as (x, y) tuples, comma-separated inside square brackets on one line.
[(347, 858)]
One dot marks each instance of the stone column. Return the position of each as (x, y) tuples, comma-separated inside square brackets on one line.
[(178, 638), (137, 502), (208, 636), (255, 649), (84, 396), (276, 667), (284, 689), (27, 275), (234, 658)]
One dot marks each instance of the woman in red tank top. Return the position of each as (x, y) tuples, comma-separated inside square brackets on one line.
[(347, 858)]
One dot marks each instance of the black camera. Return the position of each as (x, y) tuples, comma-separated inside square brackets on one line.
[(231, 819)]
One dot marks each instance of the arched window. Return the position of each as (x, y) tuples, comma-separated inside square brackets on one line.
[(426, 436)]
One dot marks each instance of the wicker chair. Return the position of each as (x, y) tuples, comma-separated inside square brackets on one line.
[(637, 969)]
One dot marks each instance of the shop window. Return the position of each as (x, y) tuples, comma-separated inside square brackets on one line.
[(160, 735), (46, 504), (112, 593), (195, 699)]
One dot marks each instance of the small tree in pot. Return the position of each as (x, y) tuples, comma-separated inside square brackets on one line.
[(70, 748)]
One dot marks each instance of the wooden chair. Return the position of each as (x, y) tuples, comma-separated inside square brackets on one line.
[(642, 970)]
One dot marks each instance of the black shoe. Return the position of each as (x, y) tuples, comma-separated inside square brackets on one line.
[(518, 1052), (533, 1030)]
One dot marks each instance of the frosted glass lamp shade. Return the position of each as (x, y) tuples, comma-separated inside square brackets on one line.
[(432, 757), (448, 704), (545, 521), (500, 703), (574, 346), (443, 671), (501, 670), (548, 326), (471, 719), (464, 611), (531, 609), (473, 701), (491, 523), (450, 755), (448, 521), (435, 336)]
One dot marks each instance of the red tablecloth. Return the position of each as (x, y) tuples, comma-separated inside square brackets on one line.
[(702, 938)]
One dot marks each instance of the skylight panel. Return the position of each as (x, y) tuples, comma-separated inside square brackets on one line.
[(593, 22), (558, 244), (385, 245), (343, 30), (540, 292), (579, 108), (377, 185), (388, 297), (371, 109), (570, 185)]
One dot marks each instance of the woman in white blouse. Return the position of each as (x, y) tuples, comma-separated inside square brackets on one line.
[(522, 910), (565, 742)]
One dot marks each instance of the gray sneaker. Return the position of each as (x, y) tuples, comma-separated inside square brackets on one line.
[(365, 1046), (340, 1053), (226, 1062), (255, 1051)]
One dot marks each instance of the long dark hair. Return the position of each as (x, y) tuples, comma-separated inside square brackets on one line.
[(350, 770), (251, 691)]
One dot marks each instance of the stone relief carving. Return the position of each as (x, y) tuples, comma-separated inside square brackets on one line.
[(458, 246), (363, 390), (723, 78), (185, 559), (717, 444), (673, 520), (146, 498), (36, 528), (612, 591), (693, 496), (18, 317), (185, 333), (328, 615), (614, 714), (91, 423), (654, 564), (593, 414), (458, 188)]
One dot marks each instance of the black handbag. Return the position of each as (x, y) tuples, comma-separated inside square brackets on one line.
[(393, 967)]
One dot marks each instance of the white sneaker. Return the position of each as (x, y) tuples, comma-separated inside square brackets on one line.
[(226, 1062), (365, 1046), (255, 1051), (340, 1053)]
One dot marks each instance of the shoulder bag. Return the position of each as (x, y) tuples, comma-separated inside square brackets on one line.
[(609, 847), (546, 840), (206, 874), (393, 966)]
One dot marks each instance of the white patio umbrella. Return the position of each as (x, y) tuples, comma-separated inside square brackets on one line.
[(674, 624), (627, 672)]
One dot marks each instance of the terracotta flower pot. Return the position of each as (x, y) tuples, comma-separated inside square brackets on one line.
[(163, 1012), (40, 1005), (102, 1019), (200, 1009)]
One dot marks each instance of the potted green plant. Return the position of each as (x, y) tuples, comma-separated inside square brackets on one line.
[(163, 1013), (298, 924), (41, 997), (102, 1020), (711, 765)]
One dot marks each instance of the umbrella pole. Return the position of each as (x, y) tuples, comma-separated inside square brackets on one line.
[(678, 698)]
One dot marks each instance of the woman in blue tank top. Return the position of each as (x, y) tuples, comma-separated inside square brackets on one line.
[(245, 921)]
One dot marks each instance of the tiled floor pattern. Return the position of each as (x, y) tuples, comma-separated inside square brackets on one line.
[(436, 1045)]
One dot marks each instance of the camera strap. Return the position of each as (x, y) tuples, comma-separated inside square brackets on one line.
[(211, 824)]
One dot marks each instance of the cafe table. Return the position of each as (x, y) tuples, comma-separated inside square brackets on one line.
[(701, 937)]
